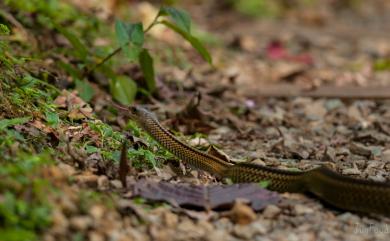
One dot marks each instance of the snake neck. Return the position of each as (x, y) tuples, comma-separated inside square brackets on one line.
[(187, 153)]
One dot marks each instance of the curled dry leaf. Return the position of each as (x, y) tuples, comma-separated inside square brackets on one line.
[(205, 197), (77, 108)]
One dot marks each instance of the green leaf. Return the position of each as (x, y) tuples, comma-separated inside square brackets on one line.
[(91, 149), (122, 36), (264, 184), (85, 90), (124, 89), (192, 40), (52, 118), (146, 62), (136, 34), (75, 73), (17, 234), (121, 33), (382, 64), (130, 37), (81, 50), (4, 30), (11, 122), (180, 17)]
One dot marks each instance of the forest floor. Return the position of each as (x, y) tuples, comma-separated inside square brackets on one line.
[(293, 91)]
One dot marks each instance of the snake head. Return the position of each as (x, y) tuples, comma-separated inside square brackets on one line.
[(139, 114)]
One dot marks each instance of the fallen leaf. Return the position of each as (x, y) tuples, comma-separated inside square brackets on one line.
[(77, 107), (205, 197)]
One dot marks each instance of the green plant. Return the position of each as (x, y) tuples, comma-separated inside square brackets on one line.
[(24, 208), (131, 38), (257, 8), (382, 65)]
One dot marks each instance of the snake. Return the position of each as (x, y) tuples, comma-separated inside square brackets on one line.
[(343, 192)]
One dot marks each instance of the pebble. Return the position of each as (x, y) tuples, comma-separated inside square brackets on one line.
[(386, 155), (103, 183), (186, 230), (170, 219), (300, 209), (243, 231), (242, 213), (80, 223), (89, 180), (218, 235), (67, 169), (116, 184), (271, 211), (60, 223), (97, 211), (260, 227), (161, 234), (95, 236), (224, 223), (68, 205)]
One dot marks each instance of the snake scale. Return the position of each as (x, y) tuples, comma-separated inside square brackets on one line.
[(341, 191)]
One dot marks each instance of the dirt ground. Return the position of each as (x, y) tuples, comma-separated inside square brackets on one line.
[(292, 91)]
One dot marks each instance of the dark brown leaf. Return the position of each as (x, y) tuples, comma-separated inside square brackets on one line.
[(205, 197)]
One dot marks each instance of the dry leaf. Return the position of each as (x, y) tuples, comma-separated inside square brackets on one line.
[(205, 197)]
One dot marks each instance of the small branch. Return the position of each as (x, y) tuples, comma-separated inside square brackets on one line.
[(101, 62)]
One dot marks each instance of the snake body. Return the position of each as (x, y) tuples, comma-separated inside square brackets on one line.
[(338, 190)]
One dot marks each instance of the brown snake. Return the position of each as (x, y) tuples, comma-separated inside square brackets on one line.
[(338, 190)]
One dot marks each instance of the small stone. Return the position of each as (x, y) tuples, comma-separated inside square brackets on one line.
[(88, 180), (348, 218), (386, 155), (376, 151), (351, 171), (134, 234), (329, 155), (67, 169), (205, 225), (103, 183), (260, 227), (161, 234), (170, 219), (242, 213), (223, 224), (359, 149), (60, 223), (95, 236), (217, 235), (333, 104), (315, 111), (116, 184), (48, 237), (271, 211), (197, 141), (97, 212), (68, 205), (187, 230), (80, 223), (243, 231), (301, 209)]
